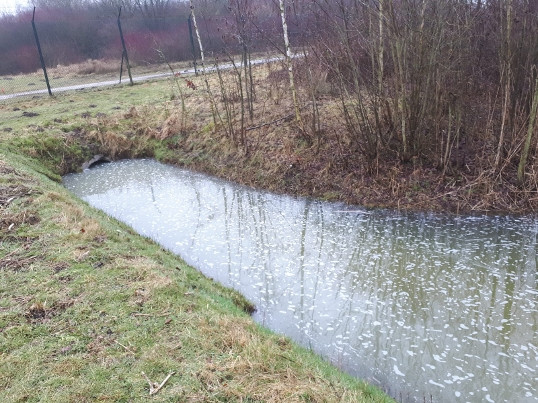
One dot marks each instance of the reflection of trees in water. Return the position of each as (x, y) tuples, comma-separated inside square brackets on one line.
[(261, 244), (386, 280), (200, 221), (227, 230), (305, 315), (421, 268), (424, 272)]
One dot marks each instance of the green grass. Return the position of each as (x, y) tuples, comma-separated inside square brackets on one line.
[(87, 305), (78, 107), (81, 73)]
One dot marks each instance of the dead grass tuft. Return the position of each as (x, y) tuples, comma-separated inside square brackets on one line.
[(116, 144), (132, 113), (90, 229), (73, 219), (10, 222), (227, 374), (138, 265), (68, 366), (171, 126), (11, 192), (234, 335), (60, 266), (98, 345), (126, 136), (70, 214), (144, 278), (6, 169), (21, 257), (55, 197), (85, 68)]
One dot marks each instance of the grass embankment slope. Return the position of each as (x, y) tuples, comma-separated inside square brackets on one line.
[(87, 306)]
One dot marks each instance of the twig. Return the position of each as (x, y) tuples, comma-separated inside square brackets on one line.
[(269, 123), (154, 387), (151, 315), (287, 358), (11, 253), (125, 347), (151, 385), (81, 257)]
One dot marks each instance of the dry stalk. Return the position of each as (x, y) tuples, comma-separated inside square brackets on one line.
[(155, 387), (125, 347)]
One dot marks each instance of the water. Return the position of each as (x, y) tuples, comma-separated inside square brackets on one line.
[(421, 304)]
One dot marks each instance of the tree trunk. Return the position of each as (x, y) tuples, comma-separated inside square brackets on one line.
[(289, 62), (507, 67), (380, 49), (530, 130), (208, 88)]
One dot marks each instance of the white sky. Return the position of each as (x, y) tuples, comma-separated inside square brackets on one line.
[(10, 6)]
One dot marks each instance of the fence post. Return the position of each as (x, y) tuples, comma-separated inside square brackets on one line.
[(121, 66), (192, 44), (40, 53), (124, 50)]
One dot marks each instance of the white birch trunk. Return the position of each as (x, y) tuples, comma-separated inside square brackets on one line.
[(198, 36), (289, 61), (214, 110)]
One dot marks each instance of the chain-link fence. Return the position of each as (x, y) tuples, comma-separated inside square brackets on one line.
[(45, 50)]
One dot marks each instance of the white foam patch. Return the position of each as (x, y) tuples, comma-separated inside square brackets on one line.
[(397, 371)]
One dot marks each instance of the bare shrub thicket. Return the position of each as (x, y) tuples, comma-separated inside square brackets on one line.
[(447, 82)]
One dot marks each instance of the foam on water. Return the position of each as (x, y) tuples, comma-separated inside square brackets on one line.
[(421, 304)]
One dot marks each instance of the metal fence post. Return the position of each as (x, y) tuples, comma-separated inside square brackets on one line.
[(124, 50), (121, 66), (40, 53)]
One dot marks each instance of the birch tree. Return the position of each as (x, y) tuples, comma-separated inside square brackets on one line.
[(214, 110), (289, 61)]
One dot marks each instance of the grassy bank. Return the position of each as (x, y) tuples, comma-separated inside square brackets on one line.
[(89, 311)]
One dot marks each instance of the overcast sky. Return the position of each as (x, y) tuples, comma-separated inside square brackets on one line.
[(10, 6)]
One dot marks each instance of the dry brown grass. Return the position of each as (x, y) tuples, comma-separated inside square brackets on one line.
[(11, 192), (73, 218), (116, 144), (325, 161), (145, 278), (18, 212), (243, 352), (85, 68), (20, 258)]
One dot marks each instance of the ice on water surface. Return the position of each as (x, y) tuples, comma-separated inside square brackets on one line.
[(421, 304)]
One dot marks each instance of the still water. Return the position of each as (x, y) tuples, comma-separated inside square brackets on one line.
[(427, 306)]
